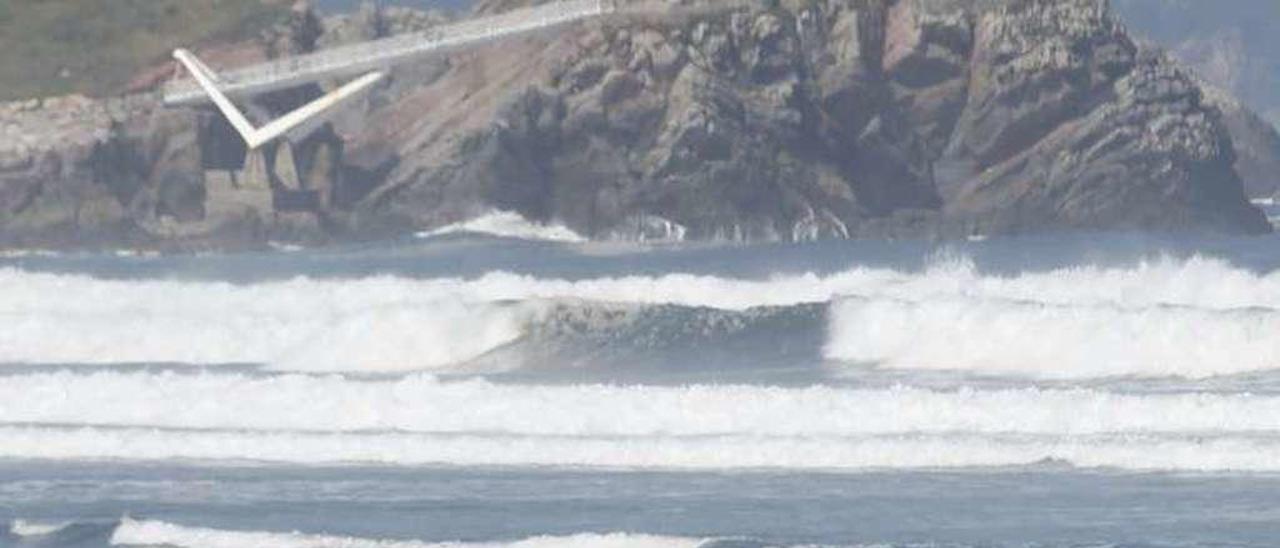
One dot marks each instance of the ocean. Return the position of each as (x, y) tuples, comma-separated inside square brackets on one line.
[(504, 384)]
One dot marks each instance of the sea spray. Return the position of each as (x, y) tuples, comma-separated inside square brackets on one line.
[(1037, 339), (1159, 316)]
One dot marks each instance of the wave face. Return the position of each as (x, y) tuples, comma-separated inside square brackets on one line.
[(1194, 318), (420, 420)]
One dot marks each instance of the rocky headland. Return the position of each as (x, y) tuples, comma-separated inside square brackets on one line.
[(700, 119), (1234, 51)]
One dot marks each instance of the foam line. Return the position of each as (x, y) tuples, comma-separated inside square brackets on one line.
[(1196, 282), (24, 528), (858, 453), (423, 404), (153, 533)]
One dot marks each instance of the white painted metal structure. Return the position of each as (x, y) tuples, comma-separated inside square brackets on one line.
[(255, 137), (377, 55)]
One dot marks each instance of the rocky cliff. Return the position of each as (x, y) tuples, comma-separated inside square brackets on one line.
[(1235, 50), (784, 120), (1231, 44), (1256, 143)]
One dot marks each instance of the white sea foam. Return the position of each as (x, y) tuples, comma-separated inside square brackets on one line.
[(1204, 453), (418, 420), (152, 533), (389, 323), (26, 253), (1052, 340), (423, 404), (508, 224), (299, 326), (24, 528), (1196, 282)]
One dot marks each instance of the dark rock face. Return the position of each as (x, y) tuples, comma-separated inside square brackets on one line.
[(737, 126), (1231, 46), (836, 119), (791, 120), (1069, 126), (118, 173), (81, 176), (1256, 143)]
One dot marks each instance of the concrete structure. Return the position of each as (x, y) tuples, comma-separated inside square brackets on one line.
[(270, 183)]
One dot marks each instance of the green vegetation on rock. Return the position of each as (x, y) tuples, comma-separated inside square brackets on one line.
[(56, 47)]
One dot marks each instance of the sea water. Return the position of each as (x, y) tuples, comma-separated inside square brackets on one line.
[(534, 389)]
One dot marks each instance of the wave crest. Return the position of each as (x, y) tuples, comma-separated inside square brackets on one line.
[(507, 224), (1197, 317), (425, 404), (154, 533), (1054, 341)]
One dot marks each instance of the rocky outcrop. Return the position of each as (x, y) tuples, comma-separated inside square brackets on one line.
[(1255, 141), (1232, 45), (71, 173), (735, 126), (82, 173), (1069, 125), (127, 172), (824, 119), (783, 120), (373, 20), (1233, 50)]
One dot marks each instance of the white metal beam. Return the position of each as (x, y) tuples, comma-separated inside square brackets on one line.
[(206, 81), (378, 55), (256, 137)]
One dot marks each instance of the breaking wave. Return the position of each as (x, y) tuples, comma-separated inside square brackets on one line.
[(151, 532), (286, 330), (24, 528), (155, 533), (1054, 341), (424, 404), (1195, 318), (422, 421), (507, 224), (1200, 453)]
